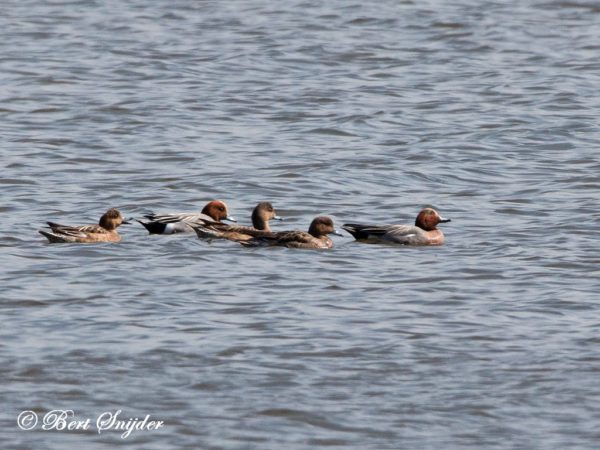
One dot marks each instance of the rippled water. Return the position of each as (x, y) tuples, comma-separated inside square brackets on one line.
[(363, 111)]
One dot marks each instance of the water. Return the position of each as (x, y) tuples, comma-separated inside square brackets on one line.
[(361, 111)]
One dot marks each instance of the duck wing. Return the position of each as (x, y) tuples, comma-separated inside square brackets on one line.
[(226, 231), (363, 231), (190, 218), (172, 223), (57, 237), (78, 231), (399, 234), (291, 239)]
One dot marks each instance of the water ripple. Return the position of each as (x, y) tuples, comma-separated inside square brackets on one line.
[(365, 112)]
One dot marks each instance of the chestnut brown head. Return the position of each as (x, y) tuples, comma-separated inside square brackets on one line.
[(428, 219), (217, 209)]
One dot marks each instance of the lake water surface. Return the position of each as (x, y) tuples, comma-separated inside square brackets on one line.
[(367, 112)]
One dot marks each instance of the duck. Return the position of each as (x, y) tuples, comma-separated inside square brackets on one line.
[(424, 231), (261, 214), (316, 238), (105, 231), (214, 211)]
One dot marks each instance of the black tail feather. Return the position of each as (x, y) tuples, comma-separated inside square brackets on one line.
[(153, 227), (356, 230), (54, 225)]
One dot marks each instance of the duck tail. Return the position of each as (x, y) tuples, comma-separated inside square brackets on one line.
[(52, 237), (153, 227), (54, 225), (356, 230)]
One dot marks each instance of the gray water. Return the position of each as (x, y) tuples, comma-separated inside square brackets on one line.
[(367, 112)]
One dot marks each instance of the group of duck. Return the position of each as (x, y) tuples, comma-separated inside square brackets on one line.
[(208, 224)]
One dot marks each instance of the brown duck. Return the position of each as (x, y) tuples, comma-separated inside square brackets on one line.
[(317, 236), (105, 231)]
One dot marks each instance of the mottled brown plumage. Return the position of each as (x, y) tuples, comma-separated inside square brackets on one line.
[(316, 237), (105, 231)]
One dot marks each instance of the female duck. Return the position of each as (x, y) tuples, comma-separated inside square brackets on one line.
[(214, 211), (262, 213), (105, 231), (424, 232), (316, 237)]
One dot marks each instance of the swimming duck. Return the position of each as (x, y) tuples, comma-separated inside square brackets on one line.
[(262, 213), (105, 231), (213, 211), (424, 232), (316, 237)]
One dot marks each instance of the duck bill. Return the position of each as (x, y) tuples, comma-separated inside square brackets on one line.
[(231, 219), (127, 221), (337, 233), (278, 218), (442, 220)]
